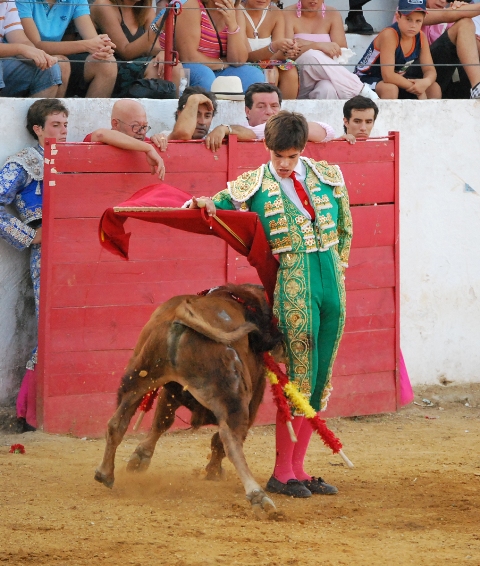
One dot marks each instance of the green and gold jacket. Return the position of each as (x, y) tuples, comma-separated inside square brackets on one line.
[(286, 228)]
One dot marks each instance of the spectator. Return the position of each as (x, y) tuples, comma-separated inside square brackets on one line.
[(265, 30), (319, 34), (129, 129), (127, 23), (193, 117), (359, 115), (457, 45), (263, 100), (91, 58), (21, 185), (355, 20), (213, 33), (21, 78), (394, 78)]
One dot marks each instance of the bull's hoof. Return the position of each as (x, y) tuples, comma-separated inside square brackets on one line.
[(261, 503), (107, 481), (139, 461), (215, 474)]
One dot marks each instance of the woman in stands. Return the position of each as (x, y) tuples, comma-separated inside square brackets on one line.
[(128, 21), (319, 35), (210, 38), (265, 28)]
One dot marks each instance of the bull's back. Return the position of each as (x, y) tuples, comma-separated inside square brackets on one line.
[(162, 315)]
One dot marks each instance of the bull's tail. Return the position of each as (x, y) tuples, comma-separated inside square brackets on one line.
[(185, 314)]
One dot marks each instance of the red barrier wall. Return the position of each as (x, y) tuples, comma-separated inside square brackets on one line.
[(93, 304)]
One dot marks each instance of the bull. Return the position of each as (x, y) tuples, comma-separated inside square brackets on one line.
[(207, 352)]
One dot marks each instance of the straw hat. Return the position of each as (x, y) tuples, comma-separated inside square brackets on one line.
[(228, 88)]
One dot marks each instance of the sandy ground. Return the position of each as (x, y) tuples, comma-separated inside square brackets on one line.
[(412, 498)]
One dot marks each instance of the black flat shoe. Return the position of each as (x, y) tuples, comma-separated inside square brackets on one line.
[(317, 485), (358, 24), (293, 488), (24, 426)]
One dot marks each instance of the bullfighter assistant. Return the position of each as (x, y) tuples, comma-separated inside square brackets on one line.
[(304, 209), (21, 184)]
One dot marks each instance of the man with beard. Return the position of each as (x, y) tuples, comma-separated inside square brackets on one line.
[(193, 118)]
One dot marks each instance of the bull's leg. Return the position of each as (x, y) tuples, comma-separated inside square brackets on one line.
[(116, 429), (164, 418), (233, 443), (214, 467)]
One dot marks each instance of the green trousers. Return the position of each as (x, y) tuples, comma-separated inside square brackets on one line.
[(309, 304)]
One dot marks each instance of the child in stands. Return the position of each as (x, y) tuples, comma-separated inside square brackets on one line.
[(396, 48)]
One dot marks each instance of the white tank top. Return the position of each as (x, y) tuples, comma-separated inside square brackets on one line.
[(259, 43)]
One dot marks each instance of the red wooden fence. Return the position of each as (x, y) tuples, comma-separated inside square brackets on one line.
[(93, 304)]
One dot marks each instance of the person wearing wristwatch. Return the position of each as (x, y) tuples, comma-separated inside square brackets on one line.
[(193, 117)]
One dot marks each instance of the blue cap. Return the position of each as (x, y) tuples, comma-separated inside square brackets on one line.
[(408, 6)]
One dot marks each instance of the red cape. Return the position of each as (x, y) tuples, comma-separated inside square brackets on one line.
[(161, 203)]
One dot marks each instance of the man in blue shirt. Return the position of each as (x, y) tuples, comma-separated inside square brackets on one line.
[(90, 59)]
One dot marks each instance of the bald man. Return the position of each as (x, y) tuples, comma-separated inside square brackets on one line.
[(129, 130)]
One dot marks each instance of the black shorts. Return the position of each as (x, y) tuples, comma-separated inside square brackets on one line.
[(444, 52), (413, 72), (76, 85)]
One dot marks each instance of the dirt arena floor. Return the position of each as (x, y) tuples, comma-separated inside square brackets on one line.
[(412, 498)]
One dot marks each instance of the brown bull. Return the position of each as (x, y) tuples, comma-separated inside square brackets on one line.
[(207, 353)]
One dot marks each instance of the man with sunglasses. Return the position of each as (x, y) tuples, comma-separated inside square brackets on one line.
[(129, 131)]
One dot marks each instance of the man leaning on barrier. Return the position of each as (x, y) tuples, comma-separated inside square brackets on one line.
[(129, 131)]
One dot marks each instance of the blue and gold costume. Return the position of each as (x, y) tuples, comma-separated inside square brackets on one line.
[(21, 185), (309, 297)]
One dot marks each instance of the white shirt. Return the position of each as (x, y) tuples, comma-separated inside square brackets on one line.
[(288, 187), (9, 19)]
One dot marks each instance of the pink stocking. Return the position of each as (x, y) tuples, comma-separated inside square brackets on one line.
[(22, 398), (300, 450), (32, 399), (283, 464), (27, 398)]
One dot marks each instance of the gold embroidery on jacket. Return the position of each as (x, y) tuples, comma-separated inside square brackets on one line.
[(322, 202), (275, 207), (326, 221), (270, 185), (280, 245), (246, 185), (279, 226)]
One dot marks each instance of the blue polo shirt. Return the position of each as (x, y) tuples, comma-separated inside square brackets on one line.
[(52, 21)]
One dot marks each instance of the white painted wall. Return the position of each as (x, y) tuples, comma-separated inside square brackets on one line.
[(440, 234)]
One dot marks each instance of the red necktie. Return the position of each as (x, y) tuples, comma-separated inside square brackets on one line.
[(302, 195)]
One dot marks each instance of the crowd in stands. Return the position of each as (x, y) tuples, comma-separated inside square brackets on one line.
[(53, 48)]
